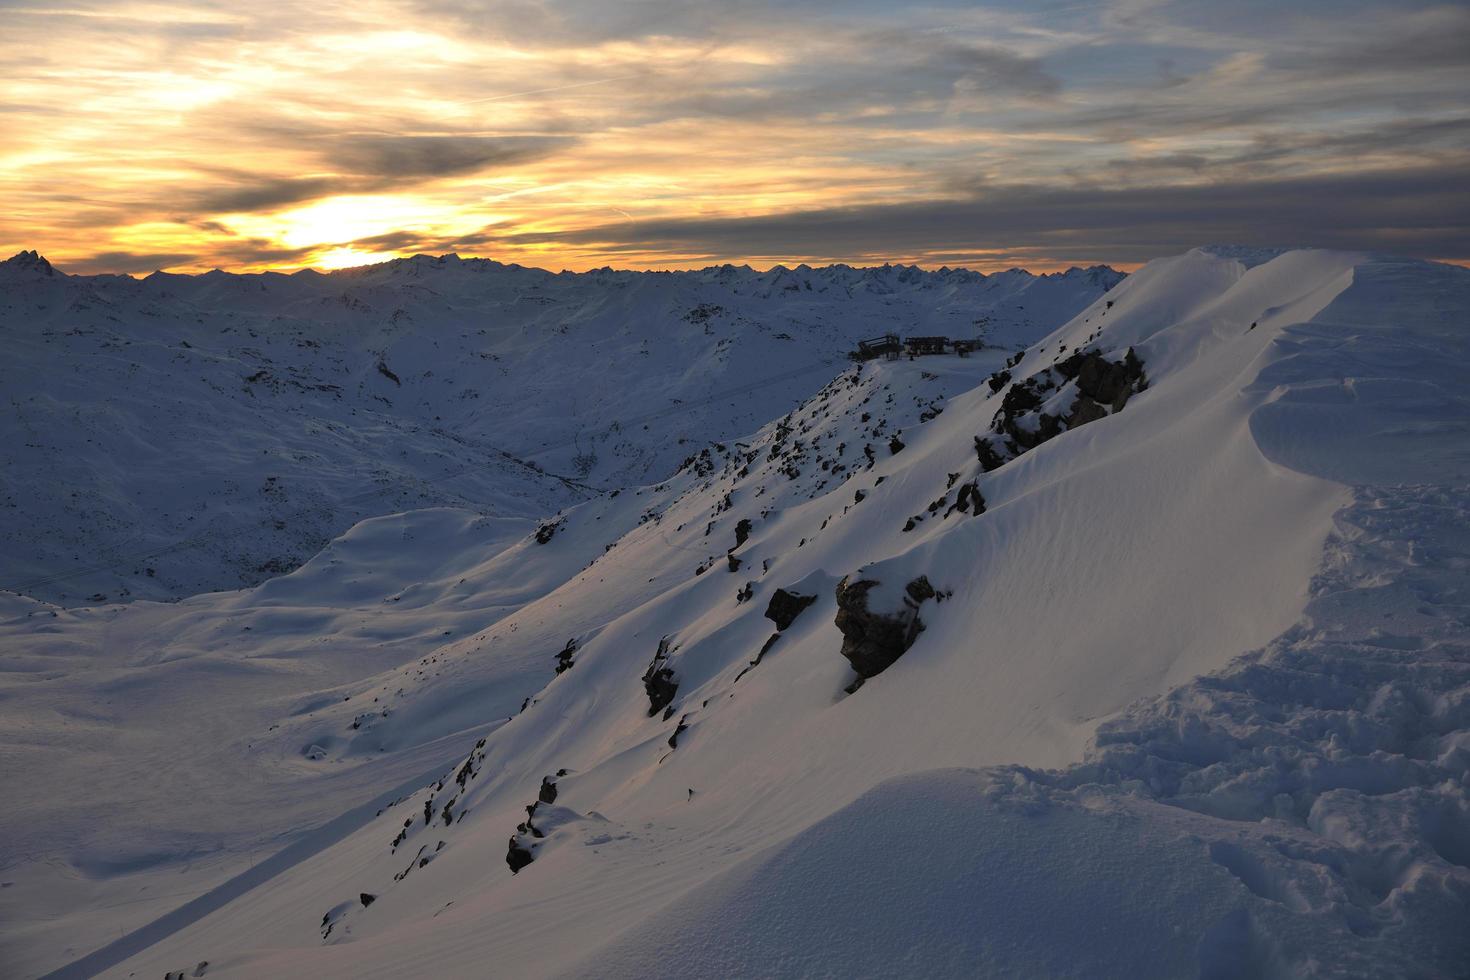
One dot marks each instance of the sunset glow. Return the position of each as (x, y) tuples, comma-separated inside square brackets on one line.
[(652, 135)]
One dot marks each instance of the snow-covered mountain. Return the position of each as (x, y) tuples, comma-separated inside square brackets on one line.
[(1138, 653), (177, 434)]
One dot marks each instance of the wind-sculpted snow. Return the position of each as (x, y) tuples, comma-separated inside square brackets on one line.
[(1301, 813), (179, 434), (1168, 696), (1375, 390)]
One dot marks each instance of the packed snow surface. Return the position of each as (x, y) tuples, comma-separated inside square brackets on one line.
[(1173, 682)]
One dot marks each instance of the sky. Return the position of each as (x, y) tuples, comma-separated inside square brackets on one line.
[(655, 134)]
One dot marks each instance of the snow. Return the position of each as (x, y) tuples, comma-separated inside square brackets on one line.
[(1191, 700), (181, 434)]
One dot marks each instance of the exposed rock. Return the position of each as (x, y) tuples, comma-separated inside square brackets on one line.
[(735, 563), (989, 458), (1084, 410), (742, 531), (765, 649), (658, 680), (785, 606), (367, 899), (545, 532), (517, 856), (873, 641), (680, 729), (969, 500), (1103, 387), (564, 658), (919, 589), (1108, 383), (547, 793)]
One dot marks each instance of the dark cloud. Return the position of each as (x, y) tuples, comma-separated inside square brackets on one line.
[(400, 157), (127, 263), (361, 164), (1443, 140), (222, 254), (1423, 212), (1433, 39), (249, 193)]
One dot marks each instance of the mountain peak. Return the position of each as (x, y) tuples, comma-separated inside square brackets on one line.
[(31, 262)]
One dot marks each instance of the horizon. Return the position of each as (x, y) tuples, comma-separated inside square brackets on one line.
[(387, 260), (1126, 268), (657, 136)]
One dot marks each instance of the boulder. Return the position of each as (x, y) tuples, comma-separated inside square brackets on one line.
[(517, 856), (785, 606), (872, 640)]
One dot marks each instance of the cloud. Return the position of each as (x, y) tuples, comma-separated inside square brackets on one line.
[(128, 263), (420, 157), (361, 164), (742, 128), (1422, 213), (229, 253), (250, 193)]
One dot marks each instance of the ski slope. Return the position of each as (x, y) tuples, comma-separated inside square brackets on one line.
[(1161, 671)]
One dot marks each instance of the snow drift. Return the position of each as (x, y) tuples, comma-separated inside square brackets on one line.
[(1183, 691)]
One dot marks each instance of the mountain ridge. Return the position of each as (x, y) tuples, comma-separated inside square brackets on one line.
[(1184, 623)]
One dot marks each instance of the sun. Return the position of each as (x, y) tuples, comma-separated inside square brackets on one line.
[(338, 220), (347, 257)]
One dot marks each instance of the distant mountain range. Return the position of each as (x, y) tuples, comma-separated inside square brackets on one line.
[(175, 434)]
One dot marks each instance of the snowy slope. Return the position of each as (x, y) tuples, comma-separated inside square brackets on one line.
[(1189, 697), (178, 434)]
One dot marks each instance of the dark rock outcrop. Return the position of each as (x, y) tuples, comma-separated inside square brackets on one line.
[(742, 532), (680, 729), (547, 793), (969, 501), (517, 856), (873, 641), (1103, 388), (564, 658), (1109, 383), (658, 680), (367, 899), (986, 453), (785, 606)]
